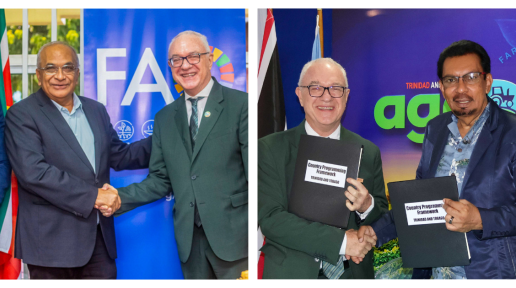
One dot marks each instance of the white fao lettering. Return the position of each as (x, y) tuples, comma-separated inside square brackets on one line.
[(135, 86)]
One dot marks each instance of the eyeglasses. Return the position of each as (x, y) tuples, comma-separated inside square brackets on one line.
[(318, 91), (468, 79), (194, 58), (52, 70)]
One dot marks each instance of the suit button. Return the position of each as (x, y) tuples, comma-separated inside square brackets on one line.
[(460, 150), (194, 177), (96, 181), (191, 204)]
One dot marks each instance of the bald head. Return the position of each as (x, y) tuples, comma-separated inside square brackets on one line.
[(190, 33), (322, 61), (75, 57)]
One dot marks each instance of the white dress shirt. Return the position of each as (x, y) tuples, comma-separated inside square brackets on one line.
[(336, 135), (200, 103)]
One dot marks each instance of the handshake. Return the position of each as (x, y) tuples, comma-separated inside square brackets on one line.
[(108, 200), (359, 243)]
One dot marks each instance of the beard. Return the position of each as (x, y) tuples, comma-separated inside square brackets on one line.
[(463, 111)]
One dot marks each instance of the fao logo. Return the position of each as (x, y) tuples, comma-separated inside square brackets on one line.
[(147, 128), (124, 129)]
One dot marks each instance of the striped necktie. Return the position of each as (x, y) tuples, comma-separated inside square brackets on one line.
[(194, 120), (333, 271), (194, 128)]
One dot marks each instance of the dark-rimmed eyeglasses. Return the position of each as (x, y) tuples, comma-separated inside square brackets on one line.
[(318, 91), (53, 70), (194, 58), (470, 78)]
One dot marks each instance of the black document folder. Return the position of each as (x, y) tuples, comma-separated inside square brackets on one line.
[(426, 244), (322, 167)]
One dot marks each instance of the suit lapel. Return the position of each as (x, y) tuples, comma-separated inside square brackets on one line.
[(95, 128), (484, 140), (343, 133), (294, 146), (215, 108), (181, 120), (294, 142), (54, 115)]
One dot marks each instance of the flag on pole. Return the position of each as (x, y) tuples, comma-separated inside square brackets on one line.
[(271, 105), (10, 267), (316, 48)]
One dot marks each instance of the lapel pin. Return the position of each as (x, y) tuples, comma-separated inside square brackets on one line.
[(207, 114)]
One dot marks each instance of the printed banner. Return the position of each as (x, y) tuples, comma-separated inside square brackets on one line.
[(125, 68), (391, 58)]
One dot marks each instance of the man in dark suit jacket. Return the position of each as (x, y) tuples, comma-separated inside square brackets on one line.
[(5, 169), (199, 152), (295, 247), (61, 147), (486, 211)]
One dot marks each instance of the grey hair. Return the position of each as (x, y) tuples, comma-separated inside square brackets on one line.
[(203, 39), (326, 60), (38, 61)]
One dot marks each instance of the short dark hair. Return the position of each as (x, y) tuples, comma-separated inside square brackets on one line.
[(461, 48)]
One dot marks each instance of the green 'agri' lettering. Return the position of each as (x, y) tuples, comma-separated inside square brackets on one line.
[(398, 120)]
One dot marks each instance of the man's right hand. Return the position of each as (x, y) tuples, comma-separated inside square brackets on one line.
[(359, 244), (108, 201), (363, 231)]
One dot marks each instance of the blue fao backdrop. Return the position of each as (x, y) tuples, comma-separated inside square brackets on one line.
[(125, 68)]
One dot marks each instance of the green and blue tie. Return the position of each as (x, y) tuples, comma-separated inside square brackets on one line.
[(194, 120), (194, 128), (333, 271)]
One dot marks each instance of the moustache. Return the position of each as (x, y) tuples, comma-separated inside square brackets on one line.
[(462, 97)]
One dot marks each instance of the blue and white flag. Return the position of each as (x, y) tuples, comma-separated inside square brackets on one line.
[(316, 48)]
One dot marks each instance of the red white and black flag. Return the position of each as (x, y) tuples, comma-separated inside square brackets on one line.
[(271, 106)]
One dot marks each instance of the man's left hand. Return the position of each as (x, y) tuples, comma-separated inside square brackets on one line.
[(466, 216), (359, 196)]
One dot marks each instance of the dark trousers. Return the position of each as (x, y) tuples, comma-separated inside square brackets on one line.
[(204, 264), (100, 266)]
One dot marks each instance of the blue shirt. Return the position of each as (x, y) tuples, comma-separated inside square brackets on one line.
[(454, 162), (80, 126)]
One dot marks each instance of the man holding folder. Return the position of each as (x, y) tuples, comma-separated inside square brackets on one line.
[(475, 142), (295, 247)]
